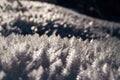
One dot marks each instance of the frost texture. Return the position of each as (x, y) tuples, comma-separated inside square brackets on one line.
[(61, 56), (53, 58)]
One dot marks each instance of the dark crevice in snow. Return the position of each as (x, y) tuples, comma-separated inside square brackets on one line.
[(29, 28)]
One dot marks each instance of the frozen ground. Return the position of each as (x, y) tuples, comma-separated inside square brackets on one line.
[(40, 41)]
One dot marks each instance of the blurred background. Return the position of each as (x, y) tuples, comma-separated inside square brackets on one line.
[(104, 9)]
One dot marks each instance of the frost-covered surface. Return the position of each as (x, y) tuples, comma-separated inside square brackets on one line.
[(41, 41), (36, 17), (53, 58)]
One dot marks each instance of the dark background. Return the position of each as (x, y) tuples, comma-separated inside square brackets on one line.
[(104, 9)]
